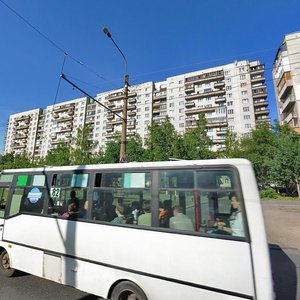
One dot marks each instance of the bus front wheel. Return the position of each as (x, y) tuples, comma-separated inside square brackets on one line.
[(127, 290), (5, 268)]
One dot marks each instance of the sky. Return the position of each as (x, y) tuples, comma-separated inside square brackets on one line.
[(41, 39)]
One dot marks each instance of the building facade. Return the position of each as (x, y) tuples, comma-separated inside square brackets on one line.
[(233, 97), (286, 77)]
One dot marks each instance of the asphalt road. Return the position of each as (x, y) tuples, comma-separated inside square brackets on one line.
[(282, 221)]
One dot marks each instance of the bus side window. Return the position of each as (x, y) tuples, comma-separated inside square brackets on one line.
[(15, 205), (3, 200)]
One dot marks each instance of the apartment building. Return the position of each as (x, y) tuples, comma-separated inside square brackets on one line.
[(286, 77), (232, 97)]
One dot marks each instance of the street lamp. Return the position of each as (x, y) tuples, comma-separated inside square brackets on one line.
[(123, 156)]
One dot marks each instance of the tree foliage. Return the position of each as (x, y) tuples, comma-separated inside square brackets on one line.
[(196, 143), (161, 141)]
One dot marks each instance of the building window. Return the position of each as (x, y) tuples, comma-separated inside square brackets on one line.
[(246, 117), (242, 77), (229, 103), (181, 110), (243, 84), (147, 108), (244, 92), (171, 105), (246, 100), (248, 126), (230, 111), (228, 88), (245, 109)]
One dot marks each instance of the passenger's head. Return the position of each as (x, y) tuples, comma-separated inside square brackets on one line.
[(147, 206), (167, 204), (72, 207), (177, 210), (235, 202), (120, 209), (72, 194)]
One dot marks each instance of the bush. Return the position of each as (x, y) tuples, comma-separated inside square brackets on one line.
[(268, 193)]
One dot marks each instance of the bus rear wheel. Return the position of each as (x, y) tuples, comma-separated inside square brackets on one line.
[(5, 268), (127, 290)]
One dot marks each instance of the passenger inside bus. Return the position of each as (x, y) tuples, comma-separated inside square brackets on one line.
[(234, 224), (165, 213), (180, 220), (120, 219), (145, 218), (72, 211)]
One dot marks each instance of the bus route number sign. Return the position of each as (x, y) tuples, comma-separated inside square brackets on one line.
[(54, 192)]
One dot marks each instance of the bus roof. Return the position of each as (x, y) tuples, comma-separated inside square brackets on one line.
[(135, 165)]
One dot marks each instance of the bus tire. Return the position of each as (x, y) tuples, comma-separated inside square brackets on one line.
[(127, 290), (5, 268)]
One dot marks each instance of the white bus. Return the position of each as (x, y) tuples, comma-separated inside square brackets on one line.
[(160, 230)]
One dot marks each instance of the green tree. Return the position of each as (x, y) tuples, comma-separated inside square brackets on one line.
[(285, 168), (260, 150), (160, 141), (112, 152), (82, 153), (232, 146), (60, 156), (196, 142), (134, 149), (15, 161)]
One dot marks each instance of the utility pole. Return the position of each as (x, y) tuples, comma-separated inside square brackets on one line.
[(123, 156)]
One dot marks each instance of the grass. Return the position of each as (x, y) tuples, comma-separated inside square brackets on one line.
[(282, 198)]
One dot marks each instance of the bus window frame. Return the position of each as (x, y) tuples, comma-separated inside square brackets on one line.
[(237, 189)]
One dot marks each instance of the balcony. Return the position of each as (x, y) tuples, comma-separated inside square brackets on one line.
[(189, 104), (200, 110), (219, 84), (189, 88), (261, 102), (285, 85), (61, 108), (115, 96), (132, 100), (109, 128), (160, 95), (211, 76), (23, 118), (257, 70), (131, 107), (64, 119), (66, 129), (220, 99), (262, 111), (263, 120), (117, 122), (18, 146), (216, 124), (258, 79), (118, 109), (131, 113), (259, 93), (220, 140), (287, 104), (20, 137), (289, 118), (221, 132), (111, 105), (110, 116), (206, 94)]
